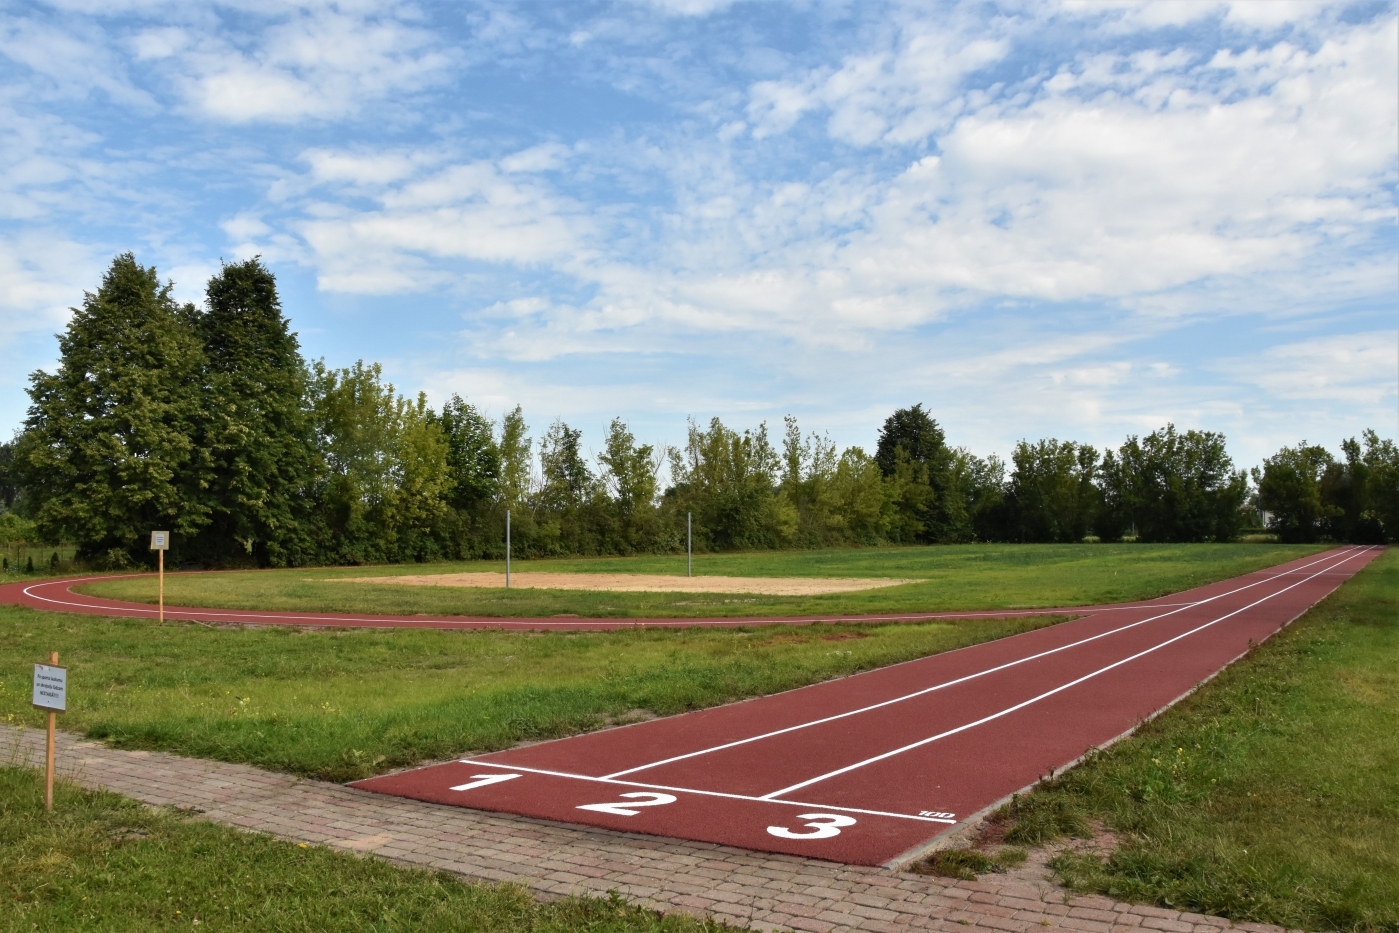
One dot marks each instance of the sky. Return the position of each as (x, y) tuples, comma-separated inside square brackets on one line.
[(1079, 220)]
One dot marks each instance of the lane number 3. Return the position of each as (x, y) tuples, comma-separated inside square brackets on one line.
[(822, 826), (626, 807)]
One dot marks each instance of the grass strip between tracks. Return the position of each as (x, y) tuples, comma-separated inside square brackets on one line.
[(1270, 795), (951, 577), (344, 704), (103, 862)]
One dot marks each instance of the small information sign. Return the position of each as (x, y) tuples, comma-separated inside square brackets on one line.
[(160, 540), (51, 687)]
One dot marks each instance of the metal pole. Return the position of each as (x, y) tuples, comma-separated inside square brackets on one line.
[(507, 549), (48, 754), (689, 548), (161, 558)]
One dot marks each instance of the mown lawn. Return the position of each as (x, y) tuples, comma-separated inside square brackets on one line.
[(1272, 794), (102, 862), (342, 704), (976, 576)]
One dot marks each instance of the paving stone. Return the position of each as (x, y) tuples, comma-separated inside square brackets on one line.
[(766, 892)]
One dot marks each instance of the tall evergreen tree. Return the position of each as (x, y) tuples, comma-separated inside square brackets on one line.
[(255, 426), (913, 450), (111, 451)]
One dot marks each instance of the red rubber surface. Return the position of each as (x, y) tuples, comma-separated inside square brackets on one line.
[(867, 768), (58, 596)]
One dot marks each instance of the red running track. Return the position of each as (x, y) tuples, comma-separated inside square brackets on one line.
[(870, 768), (60, 596)]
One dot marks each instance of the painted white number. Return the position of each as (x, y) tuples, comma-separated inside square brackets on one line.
[(623, 808), (823, 826), (482, 780)]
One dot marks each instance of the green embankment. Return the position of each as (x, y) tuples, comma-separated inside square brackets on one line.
[(977, 576), (1270, 795), (101, 862), (341, 704)]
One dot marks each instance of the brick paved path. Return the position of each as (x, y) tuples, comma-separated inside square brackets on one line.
[(737, 886)]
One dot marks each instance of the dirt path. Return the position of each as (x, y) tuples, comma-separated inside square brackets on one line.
[(640, 582)]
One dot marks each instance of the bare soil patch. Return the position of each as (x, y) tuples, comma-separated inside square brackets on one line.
[(641, 583)]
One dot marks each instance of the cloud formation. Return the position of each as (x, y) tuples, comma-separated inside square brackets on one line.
[(1065, 219)]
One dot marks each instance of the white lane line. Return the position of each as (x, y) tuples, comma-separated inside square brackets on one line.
[(261, 616), (131, 612), (936, 687), (474, 762), (1010, 709)]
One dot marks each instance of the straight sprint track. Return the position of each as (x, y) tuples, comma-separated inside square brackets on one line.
[(870, 768)]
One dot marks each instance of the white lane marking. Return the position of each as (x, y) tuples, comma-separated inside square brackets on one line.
[(823, 826), (706, 793), (935, 687), (98, 602), (623, 807), (505, 622), (485, 780), (1010, 709)]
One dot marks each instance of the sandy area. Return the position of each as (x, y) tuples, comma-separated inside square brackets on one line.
[(642, 583)]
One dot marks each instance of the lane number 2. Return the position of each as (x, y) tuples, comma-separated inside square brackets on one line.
[(822, 826), (483, 780), (626, 807)]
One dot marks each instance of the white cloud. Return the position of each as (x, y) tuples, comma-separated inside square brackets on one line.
[(469, 211), (321, 64), (42, 275), (1361, 370)]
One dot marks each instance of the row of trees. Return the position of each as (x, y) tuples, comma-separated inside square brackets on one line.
[(207, 421)]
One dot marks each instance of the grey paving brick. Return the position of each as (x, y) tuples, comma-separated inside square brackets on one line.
[(768, 892)]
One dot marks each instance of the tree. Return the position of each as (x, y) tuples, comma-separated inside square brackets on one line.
[(913, 452), (9, 478), (515, 447), (1052, 490), (1176, 487), (111, 448), (255, 427), (567, 481), (382, 464), (1289, 486), (629, 475), (1381, 502), (983, 482), (728, 480), (473, 459)]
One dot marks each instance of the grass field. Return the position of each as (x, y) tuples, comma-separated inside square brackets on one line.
[(1272, 794), (342, 704), (956, 577), (102, 862)]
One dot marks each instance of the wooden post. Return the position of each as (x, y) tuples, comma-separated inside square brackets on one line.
[(48, 754), (161, 585)]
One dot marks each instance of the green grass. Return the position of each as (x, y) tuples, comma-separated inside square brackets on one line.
[(342, 704), (102, 862), (956, 577), (1271, 795)]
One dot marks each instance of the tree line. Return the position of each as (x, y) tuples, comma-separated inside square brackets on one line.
[(208, 422)]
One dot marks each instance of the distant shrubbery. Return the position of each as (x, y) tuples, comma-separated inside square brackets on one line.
[(208, 422)]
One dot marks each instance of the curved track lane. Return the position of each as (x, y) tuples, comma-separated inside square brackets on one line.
[(60, 596)]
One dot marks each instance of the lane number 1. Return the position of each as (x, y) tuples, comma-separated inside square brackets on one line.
[(482, 780), (822, 826), (625, 807)]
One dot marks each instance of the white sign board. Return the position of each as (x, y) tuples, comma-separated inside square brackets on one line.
[(51, 687), (160, 540)]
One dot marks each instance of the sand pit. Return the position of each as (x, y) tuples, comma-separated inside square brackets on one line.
[(642, 583)]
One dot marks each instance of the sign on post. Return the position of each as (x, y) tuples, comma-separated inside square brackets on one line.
[(51, 688), (160, 543), (51, 694)]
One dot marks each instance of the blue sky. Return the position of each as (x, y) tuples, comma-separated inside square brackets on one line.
[(1078, 220)]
